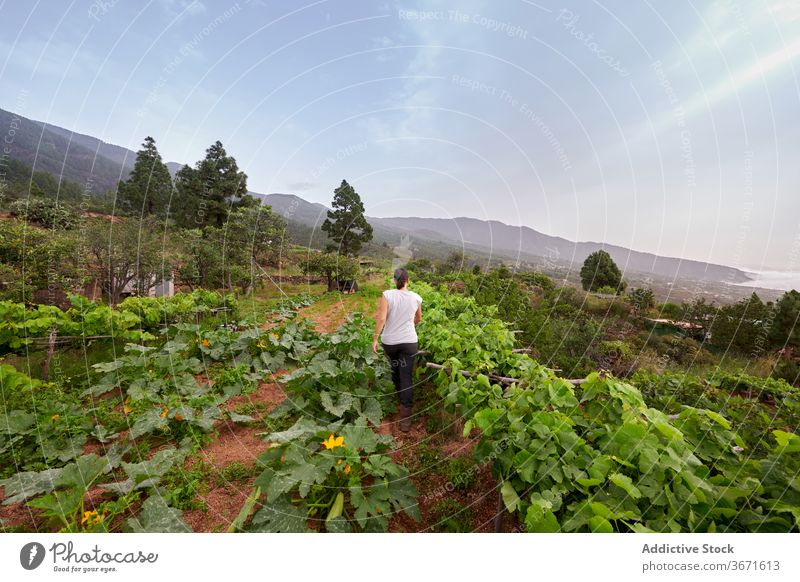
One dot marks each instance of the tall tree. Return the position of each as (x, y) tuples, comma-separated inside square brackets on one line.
[(600, 270), (346, 224), (785, 329), (223, 186), (149, 186), (206, 194), (183, 209)]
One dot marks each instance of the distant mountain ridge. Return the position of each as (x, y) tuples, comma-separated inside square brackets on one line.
[(511, 241), (87, 160), (491, 234)]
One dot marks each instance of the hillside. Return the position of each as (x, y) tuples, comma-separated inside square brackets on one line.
[(78, 157), (74, 157)]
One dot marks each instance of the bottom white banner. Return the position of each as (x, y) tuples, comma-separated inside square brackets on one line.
[(621, 557)]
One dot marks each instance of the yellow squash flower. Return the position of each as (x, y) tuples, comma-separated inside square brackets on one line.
[(333, 442), (205, 342), (126, 409), (55, 417), (88, 515), (164, 414), (347, 469)]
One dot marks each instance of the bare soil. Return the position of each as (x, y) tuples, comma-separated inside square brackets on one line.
[(235, 443)]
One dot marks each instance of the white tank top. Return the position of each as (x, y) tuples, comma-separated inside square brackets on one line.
[(399, 327)]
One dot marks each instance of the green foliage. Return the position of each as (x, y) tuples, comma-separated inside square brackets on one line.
[(331, 266), (537, 280), (642, 298), (788, 370), (450, 516), (184, 484), (462, 472), (420, 266), (346, 225), (22, 182), (132, 320), (45, 212), (33, 258), (207, 193), (670, 311), (229, 257), (343, 379), (785, 329), (148, 189), (126, 252), (598, 458), (337, 478), (156, 516), (606, 290), (85, 318), (599, 270), (41, 425), (236, 472), (741, 326)]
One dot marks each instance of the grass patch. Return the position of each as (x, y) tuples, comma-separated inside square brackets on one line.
[(426, 458), (450, 516), (185, 486), (236, 472), (462, 472)]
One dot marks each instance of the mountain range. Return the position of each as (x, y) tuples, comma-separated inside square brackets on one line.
[(87, 160)]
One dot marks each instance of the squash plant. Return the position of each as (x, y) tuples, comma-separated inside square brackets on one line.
[(343, 379), (597, 457), (336, 478)]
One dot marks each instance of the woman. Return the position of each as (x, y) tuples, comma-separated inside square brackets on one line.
[(399, 311)]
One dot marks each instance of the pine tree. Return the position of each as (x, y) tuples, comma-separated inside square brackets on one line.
[(149, 187), (184, 207), (207, 193), (223, 186), (346, 224)]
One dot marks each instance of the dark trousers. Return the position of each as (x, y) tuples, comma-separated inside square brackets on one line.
[(402, 358)]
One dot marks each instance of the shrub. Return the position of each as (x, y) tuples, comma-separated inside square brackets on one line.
[(45, 213)]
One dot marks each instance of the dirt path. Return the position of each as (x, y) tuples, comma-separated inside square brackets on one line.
[(332, 311), (431, 450), (229, 461), (443, 493)]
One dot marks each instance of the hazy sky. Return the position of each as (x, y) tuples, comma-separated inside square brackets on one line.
[(669, 127)]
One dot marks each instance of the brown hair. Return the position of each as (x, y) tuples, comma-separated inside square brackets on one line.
[(400, 277)]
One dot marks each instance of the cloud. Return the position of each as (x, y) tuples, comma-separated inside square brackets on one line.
[(52, 58), (175, 8)]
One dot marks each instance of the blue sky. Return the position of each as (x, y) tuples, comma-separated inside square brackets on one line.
[(669, 127)]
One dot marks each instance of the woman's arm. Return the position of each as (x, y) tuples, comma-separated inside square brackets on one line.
[(418, 315), (380, 320)]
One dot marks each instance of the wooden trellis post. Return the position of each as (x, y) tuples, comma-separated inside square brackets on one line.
[(51, 348)]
